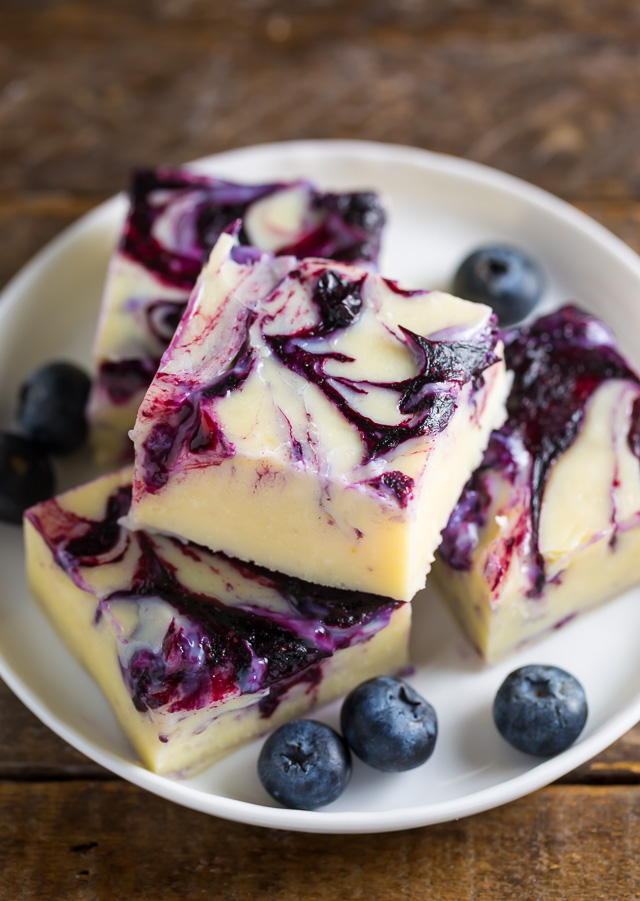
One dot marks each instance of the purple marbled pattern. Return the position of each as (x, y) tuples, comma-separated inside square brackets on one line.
[(212, 649), (349, 228), (633, 437), (427, 400), (558, 362), (204, 208), (346, 227), (121, 380), (394, 483)]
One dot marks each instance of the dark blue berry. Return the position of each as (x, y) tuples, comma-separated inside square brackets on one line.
[(505, 278), (305, 765), (389, 725), (26, 476), (51, 407), (540, 710)]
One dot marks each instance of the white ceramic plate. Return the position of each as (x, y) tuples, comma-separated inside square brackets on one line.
[(439, 208)]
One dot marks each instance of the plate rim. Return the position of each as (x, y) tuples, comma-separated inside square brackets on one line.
[(327, 821)]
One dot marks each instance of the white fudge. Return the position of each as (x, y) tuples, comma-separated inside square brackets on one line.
[(196, 652), (174, 219), (549, 525), (317, 419)]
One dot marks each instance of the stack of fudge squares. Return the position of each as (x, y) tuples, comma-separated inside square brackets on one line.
[(305, 434)]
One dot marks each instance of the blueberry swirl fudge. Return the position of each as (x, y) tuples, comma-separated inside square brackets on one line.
[(317, 419), (196, 652), (175, 216), (549, 524)]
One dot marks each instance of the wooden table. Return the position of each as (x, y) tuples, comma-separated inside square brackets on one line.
[(545, 90)]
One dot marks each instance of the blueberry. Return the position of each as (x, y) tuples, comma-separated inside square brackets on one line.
[(305, 765), (505, 278), (540, 710), (389, 725), (51, 406), (26, 476)]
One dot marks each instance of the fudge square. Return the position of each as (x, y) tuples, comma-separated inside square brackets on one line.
[(175, 216), (196, 652), (549, 524), (317, 419)]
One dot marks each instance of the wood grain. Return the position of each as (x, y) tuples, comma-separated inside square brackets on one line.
[(29, 750), (111, 841), (544, 90), (28, 223), (546, 93)]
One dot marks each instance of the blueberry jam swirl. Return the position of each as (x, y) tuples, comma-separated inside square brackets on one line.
[(211, 651), (188, 423), (162, 318), (558, 362), (425, 401), (395, 483), (349, 229), (204, 207), (122, 380), (346, 227), (176, 217)]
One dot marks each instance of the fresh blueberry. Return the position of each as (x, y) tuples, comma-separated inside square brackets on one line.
[(305, 765), (540, 710), (26, 476), (51, 407), (389, 725), (505, 278)]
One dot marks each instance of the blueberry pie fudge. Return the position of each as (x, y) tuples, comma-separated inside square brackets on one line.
[(317, 419), (549, 524), (174, 219), (195, 651)]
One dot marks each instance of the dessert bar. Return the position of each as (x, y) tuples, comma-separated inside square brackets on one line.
[(549, 524), (196, 652), (174, 219), (317, 419)]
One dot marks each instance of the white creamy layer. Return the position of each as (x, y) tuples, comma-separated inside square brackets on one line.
[(106, 631), (277, 468), (131, 291), (589, 535)]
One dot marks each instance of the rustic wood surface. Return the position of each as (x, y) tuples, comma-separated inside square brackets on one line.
[(91, 840), (546, 91)]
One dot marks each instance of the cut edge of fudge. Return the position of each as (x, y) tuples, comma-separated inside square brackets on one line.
[(549, 525), (181, 709), (233, 425)]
